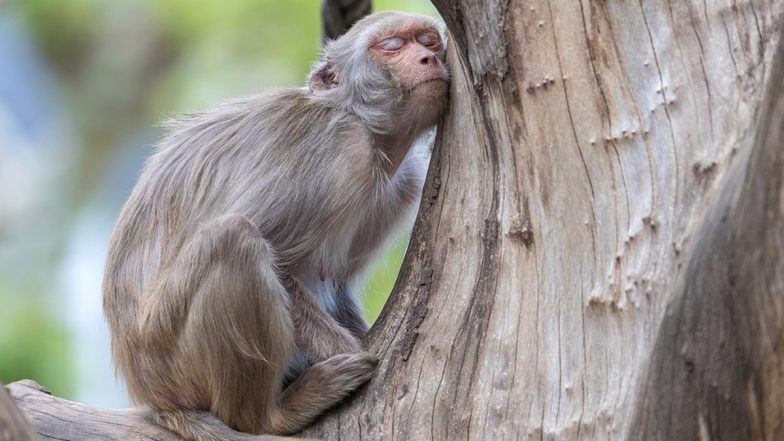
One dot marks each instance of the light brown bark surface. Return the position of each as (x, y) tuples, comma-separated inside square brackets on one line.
[(59, 419), (13, 425), (717, 368)]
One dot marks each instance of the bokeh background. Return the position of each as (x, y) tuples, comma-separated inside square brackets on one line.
[(83, 85)]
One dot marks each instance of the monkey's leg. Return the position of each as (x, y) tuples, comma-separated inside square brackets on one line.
[(317, 333), (236, 339)]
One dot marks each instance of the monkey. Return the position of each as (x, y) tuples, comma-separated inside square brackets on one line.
[(230, 281)]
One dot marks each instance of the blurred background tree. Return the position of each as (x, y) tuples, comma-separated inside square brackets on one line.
[(83, 85)]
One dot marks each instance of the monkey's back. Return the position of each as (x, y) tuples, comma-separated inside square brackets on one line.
[(248, 157)]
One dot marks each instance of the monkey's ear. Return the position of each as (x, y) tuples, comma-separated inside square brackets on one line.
[(322, 78)]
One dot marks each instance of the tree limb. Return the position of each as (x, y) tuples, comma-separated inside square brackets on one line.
[(337, 16), (13, 425), (61, 419)]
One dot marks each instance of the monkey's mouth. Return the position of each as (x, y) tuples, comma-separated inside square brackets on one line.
[(428, 81)]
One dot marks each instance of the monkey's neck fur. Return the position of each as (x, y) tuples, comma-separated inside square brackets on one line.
[(395, 149), (408, 129)]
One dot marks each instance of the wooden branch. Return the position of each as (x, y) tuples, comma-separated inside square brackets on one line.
[(337, 16), (13, 425), (61, 419)]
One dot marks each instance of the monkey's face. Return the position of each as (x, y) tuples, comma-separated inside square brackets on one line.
[(389, 70), (413, 55)]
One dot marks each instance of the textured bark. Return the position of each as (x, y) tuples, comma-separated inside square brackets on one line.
[(719, 349), (13, 425), (599, 253), (58, 419)]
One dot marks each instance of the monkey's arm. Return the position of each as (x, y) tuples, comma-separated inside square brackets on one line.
[(349, 315)]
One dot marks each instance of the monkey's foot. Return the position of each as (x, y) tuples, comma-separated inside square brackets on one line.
[(321, 386)]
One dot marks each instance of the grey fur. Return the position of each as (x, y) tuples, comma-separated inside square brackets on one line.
[(232, 267)]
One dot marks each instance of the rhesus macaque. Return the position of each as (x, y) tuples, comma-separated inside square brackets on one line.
[(229, 281)]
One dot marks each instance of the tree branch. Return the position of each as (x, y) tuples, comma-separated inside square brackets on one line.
[(61, 419), (13, 425), (337, 16)]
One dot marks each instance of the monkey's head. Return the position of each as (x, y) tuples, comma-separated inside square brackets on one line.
[(388, 69)]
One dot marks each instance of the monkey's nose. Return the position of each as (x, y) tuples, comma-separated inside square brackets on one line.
[(427, 59)]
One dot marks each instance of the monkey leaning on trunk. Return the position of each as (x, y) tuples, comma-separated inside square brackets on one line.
[(228, 285)]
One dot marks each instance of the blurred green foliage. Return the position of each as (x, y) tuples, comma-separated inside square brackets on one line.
[(122, 66), (382, 279), (65, 33), (35, 344)]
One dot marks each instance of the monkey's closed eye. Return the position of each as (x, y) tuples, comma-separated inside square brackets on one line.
[(392, 44), (429, 40)]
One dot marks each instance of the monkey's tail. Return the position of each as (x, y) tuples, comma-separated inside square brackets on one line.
[(195, 425)]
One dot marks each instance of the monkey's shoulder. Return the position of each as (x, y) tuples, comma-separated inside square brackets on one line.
[(283, 118)]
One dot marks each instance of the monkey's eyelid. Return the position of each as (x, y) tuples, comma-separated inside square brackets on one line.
[(392, 44), (428, 39)]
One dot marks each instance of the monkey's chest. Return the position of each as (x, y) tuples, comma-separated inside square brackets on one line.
[(325, 291), (336, 263)]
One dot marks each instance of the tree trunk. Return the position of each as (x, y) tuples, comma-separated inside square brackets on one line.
[(600, 248)]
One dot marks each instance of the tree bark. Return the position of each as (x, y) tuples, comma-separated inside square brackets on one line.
[(13, 425), (58, 419), (600, 248), (718, 351)]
